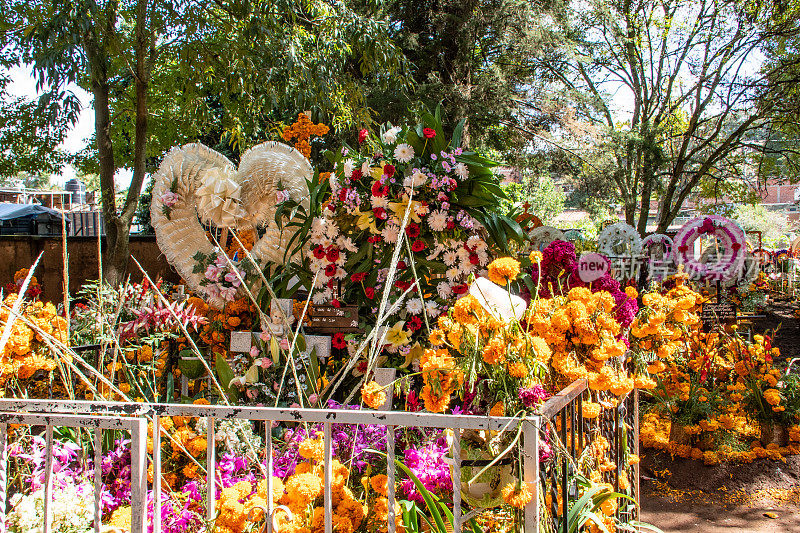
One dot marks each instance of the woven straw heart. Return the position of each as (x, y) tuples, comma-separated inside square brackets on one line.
[(196, 185)]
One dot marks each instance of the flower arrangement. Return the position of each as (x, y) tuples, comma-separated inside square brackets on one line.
[(34, 289), (301, 131)]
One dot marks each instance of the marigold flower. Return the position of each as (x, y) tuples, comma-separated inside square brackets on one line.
[(517, 494), (503, 270), (373, 394), (313, 449), (591, 410)]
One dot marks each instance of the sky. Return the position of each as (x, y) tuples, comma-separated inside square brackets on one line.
[(24, 85)]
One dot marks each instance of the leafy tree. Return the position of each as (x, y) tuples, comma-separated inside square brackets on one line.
[(696, 102), (544, 197), (774, 227)]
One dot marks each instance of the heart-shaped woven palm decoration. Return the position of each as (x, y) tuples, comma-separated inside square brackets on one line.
[(196, 185)]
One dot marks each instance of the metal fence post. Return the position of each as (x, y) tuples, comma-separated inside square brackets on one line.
[(139, 476), (530, 469)]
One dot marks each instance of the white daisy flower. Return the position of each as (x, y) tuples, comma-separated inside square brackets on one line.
[(346, 243), (379, 201), (340, 273), (365, 170), (476, 243), (414, 306), (418, 179), (453, 273), (450, 258), (404, 153), (348, 167), (321, 280), (466, 268), (390, 233), (432, 309), (390, 135), (437, 220), (443, 290), (483, 257), (318, 226), (322, 296), (461, 171), (331, 230)]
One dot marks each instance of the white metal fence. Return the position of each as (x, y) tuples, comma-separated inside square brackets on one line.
[(134, 417)]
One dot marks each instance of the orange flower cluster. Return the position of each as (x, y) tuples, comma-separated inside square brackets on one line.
[(237, 315), (248, 240), (181, 441), (583, 337), (503, 270), (441, 378), (302, 130), (27, 351), (373, 394), (243, 505)]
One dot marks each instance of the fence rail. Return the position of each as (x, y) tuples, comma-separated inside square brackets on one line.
[(134, 417)]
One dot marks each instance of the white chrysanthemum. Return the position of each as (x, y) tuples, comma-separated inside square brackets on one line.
[(476, 243), (436, 252), (348, 167), (331, 230), (453, 273), (450, 258), (483, 257), (390, 135), (365, 170), (340, 273), (461, 171), (443, 290), (321, 297), (318, 226), (404, 153), (341, 260), (437, 220), (414, 306), (466, 268), (379, 201), (432, 309), (463, 253), (315, 265), (390, 233), (417, 179), (346, 243)]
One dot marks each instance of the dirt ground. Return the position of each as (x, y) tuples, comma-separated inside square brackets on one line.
[(684, 495)]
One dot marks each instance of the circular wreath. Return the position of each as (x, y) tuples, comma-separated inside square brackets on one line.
[(542, 236), (732, 241), (658, 239), (763, 256), (196, 185), (616, 236)]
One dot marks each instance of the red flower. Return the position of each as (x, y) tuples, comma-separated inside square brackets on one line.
[(338, 341), (358, 277), (450, 223), (415, 323), (369, 292), (342, 194), (332, 255), (330, 270), (412, 230), (418, 246), (331, 284), (374, 239), (401, 265), (460, 289), (402, 285), (356, 175), (429, 133), (380, 213), (362, 135), (473, 259), (388, 170), (336, 303), (379, 189), (319, 252)]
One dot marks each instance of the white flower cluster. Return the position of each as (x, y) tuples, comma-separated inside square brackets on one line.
[(72, 510)]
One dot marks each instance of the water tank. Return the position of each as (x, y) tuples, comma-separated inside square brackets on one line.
[(78, 190)]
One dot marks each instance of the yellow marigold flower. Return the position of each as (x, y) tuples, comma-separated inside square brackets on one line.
[(536, 257), (591, 410), (772, 396), (517, 370), (631, 292), (517, 494), (303, 488), (313, 449), (373, 394), (503, 270), (379, 484), (498, 409), (433, 402), (495, 351), (436, 338), (465, 308), (633, 459)]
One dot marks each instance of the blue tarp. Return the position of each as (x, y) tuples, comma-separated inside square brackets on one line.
[(14, 211)]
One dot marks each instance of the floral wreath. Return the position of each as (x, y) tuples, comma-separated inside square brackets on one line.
[(611, 235), (196, 185), (542, 236), (658, 239), (731, 237), (763, 256)]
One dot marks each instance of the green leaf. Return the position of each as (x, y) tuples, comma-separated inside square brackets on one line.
[(224, 372), (192, 368)]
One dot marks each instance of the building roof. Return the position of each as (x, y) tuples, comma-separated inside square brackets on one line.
[(14, 211)]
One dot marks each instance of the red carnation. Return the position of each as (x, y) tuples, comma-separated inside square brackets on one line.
[(473, 258), (418, 246), (412, 230), (319, 252), (379, 189), (460, 289), (336, 303), (402, 285), (362, 135), (380, 213), (358, 277), (369, 292), (332, 255), (342, 194), (388, 170), (356, 175), (374, 239), (415, 323), (338, 341), (429, 133), (450, 223), (330, 270), (401, 265)]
